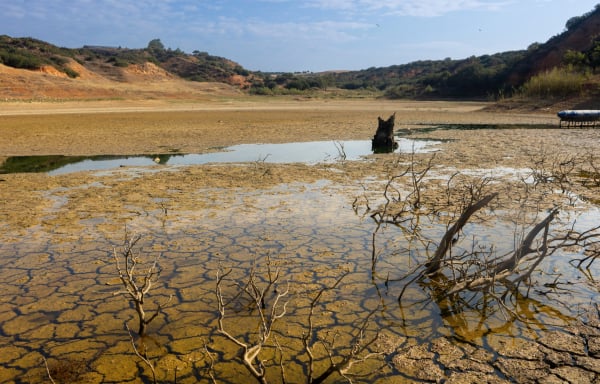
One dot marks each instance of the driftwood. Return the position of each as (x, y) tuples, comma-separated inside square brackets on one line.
[(384, 141), (434, 264), (509, 267), (496, 270)]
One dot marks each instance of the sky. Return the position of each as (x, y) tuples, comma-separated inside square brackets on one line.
[(297, 36)]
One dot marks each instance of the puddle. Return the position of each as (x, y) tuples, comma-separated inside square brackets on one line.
[(302, 152)]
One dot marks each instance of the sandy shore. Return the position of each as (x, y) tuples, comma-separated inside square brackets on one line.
[(150, 127), (160, 127)]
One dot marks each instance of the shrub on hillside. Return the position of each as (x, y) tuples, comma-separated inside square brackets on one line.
[(20, 60), (555, 83), (70, 72)]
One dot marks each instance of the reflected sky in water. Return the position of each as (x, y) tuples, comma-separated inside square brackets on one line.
[(302, 152), (63, 275)]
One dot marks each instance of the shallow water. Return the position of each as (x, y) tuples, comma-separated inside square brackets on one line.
[(59, 284), (301, 152)]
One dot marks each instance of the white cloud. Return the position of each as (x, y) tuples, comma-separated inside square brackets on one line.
[(332, 31), (11, 10), (422, 8)]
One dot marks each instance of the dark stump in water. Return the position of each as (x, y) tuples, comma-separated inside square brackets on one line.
[(383, 141)]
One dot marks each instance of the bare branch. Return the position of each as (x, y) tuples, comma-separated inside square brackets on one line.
[(526, 245), (144, 359), (307, 336), (434, 264), (130, 280), (211, 367), (250, 352), (48, 370)]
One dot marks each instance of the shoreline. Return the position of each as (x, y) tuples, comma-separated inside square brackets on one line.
[(150, 127), (58, 230)]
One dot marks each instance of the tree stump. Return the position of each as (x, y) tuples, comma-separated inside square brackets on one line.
[(383, 141)]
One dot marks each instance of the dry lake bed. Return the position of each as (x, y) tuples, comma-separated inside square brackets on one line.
[(285, 198)]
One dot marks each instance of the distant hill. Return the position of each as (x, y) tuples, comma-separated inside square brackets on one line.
[(33, 54), (473, 77), (582, 35), (487, 76), (31, 69), (99, 70)]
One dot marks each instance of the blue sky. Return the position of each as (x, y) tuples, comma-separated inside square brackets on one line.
[(290, 35)]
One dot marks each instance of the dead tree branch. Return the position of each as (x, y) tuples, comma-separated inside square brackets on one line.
[(269, 312), (417, 177), (341, 364), (137, 285), (306, 338), (498, 270), (591, 240), (556, 171), (525, 247), (143, 358), (268, 318), (433, 265), (48, 371), (592, 174)]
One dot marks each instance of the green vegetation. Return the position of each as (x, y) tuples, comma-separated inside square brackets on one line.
[(48, 163), (28, 53), (18, 59), (555, 83), (289, 83), (474, 77), (564, 66)]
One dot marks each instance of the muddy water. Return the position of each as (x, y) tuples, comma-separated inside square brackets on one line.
[(311, 152), (60, 287), (60, 303)]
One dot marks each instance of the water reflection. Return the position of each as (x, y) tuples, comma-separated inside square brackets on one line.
[(547, 298), (302, 152), (472, 317), (59, 280)]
